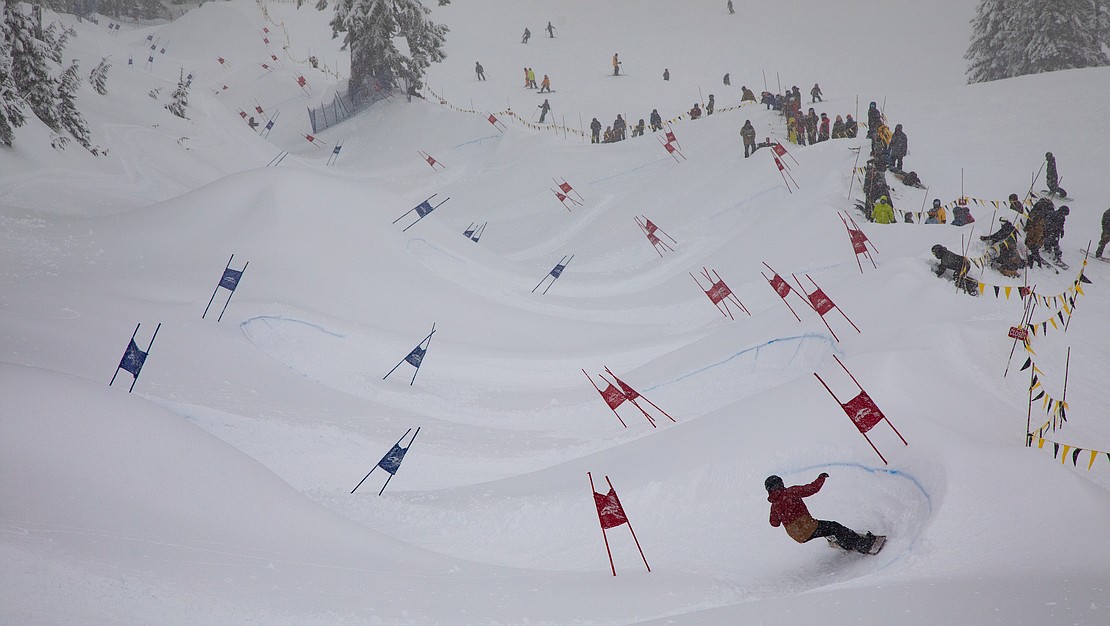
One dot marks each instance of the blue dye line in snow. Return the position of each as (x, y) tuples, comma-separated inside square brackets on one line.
[(478, 140), (799, 338), (622, 173), (266, 319)]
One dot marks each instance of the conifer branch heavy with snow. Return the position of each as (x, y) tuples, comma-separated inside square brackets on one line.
[(11, 104), (370, 29), (179, 99), (98, 77), (68, 115)]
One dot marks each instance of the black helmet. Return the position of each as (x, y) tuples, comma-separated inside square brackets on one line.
[(1013, 196), (1065, 210), (936, 201), (938, 250), (1048, 155), (773, 483)]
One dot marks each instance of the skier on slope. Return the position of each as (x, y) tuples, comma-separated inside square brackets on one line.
[(479, 70), (550, 31), (788, 510), (544, 108), (527, 35)]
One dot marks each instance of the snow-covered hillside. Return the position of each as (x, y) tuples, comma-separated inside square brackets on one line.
[(219, 491)]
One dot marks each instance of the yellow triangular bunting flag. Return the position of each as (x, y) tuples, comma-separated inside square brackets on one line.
[(1008, 289), (1094, 455), (1064, 457)]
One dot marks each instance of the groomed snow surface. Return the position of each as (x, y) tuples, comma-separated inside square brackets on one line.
[(219, 491)]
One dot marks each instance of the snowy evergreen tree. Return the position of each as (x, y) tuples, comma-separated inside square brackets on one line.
[(98, 78), (1018, 37), (371, 28), (1061, 36), (30, 69), (989, 34), (68, 114), (179, 99), (11, 105), (138, 9)]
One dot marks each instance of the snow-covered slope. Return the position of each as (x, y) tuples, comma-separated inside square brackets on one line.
[(219, 491)]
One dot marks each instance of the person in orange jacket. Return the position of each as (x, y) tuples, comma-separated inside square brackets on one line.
[(788, 510)]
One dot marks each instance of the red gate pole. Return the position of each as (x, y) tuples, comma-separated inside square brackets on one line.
[(603, 535), (835, 305), (627, 521), (889, 423), (650, 419), (622, 384), (842, 406)]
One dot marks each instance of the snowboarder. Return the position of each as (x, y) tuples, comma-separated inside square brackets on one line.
[(727, 82), (899, 147), (1054, 231), (1105, 235), (527, 35), (595, 131), (730, 9), (545, 85), (747, 133), (479, 70), (616, 65), (544, 108), (638, 129), (709, 105), (695, 112), (1051, 178), (823, 128), (883, 211), (666, 74), (656, 120), (747, 95), (788, 510), (815, 93), (252, 123), (550, 30)]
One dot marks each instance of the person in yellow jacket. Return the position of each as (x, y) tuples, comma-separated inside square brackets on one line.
[(937, 214), (883, 211)]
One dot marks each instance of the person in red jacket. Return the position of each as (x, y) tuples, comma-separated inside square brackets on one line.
[(788, 510)]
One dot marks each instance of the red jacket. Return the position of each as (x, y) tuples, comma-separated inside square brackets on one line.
[(787, 509)]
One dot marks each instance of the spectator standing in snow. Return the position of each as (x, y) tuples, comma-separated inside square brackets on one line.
[(526, 83), (811, 126), (527, 35), (1105, 235), (544, 108), (656, 120), (616, 65), (838, 128), (1051, 177), (666, 74), (1054, 231), (709, 105), (747, 133), (883, 211), (531, 78), (815, 94), (899, 147), (727, 82), (595, 131), (851, 129), (479, 70), (874, 119), (550, 31), (545, 84), (823, 129), (620, 128)]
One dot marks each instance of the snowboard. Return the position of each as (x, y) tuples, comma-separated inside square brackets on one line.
[(1056, 196), (876, 546), (1092, 256)]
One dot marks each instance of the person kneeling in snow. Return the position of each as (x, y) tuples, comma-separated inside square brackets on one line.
[(959, 265), (788, 510)]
